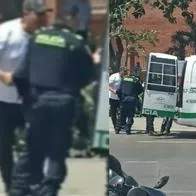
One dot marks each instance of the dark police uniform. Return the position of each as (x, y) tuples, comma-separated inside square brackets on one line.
[(166, 124), (150, 124), (128, 92), (57, 67)]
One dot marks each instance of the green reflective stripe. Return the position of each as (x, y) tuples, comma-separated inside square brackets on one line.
[(79, 37), (51, 40), (131, 79), (128, 79), (186, 115), (160, 113)]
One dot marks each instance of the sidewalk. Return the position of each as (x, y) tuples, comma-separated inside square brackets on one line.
[(87, 177), (140, 124)]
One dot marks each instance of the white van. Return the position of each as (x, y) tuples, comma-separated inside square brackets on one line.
[(170, 89), (160, 94), (187, 111)]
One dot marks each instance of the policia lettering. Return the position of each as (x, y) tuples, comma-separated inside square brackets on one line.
[(51, 40)]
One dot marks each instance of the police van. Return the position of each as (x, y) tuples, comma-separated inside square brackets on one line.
[(160, 92), (187, 107), (170, 89)]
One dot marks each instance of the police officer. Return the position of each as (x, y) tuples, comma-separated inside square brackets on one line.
[(166, 125), (128, 92), (150, 124), (57, 66)]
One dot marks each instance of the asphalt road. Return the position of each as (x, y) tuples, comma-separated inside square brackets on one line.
[(147, 158), (87, 177)]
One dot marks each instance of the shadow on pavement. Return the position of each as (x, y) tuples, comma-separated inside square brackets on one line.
[(133, 132), (178, 135)]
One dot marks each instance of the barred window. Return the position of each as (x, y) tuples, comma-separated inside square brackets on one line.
[(162, 74)]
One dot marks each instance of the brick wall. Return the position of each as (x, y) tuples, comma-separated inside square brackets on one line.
[(154, 20), (98, 13)]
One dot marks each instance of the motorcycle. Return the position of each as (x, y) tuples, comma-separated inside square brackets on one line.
[(128, 186), (121, 184)]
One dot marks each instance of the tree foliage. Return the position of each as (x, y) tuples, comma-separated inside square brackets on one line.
[(121, 9), (182, 39)]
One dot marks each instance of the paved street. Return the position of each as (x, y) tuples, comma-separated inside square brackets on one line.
[(147, 158), (86, 178)]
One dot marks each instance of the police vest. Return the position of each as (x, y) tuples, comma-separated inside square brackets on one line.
[(129, 86), (56, 61)]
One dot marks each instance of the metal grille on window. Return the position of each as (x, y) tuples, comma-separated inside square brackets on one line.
[(162, 74)]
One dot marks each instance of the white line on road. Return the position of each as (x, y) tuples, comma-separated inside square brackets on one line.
[(168, 142)]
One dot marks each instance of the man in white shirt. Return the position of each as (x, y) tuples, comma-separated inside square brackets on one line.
[(14, 37), (114, 83)]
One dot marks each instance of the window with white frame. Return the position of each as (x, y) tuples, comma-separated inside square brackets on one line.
[(162, 74)]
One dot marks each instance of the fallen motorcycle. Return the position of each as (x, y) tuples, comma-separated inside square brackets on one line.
[(127, 186), (121, 184)]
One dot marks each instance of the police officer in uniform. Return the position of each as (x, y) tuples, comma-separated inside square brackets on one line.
[(166, 125), (128, 92), (150, 124), (57, 66)]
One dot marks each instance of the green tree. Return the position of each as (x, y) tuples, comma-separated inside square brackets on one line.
[(120, 9), (182, 39)]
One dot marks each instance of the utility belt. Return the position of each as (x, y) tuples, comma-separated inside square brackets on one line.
[(37, 90), (128, 95), (128, 98)]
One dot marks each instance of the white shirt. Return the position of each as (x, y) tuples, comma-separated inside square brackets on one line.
[(114, 82), (84, 13), (13, 48)]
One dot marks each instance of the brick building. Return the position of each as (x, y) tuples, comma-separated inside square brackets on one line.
[(98, 13), (13, 8), (154, 20)]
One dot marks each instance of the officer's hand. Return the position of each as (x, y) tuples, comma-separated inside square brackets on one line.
[(114, 91), (6, 77)]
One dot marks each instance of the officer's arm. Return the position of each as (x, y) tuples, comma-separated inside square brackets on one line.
[(84, 68), (119, 90), (111, 82), (6, 77), (18, 77), (140, 88), (9, 78), (112, 90)]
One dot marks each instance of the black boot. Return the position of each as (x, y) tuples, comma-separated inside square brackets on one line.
[(117, 130), (152, 132), (128, 131)]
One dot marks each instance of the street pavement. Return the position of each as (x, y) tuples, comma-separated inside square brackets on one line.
[(87, 177), (147, 158)]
